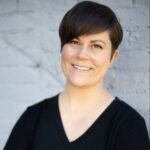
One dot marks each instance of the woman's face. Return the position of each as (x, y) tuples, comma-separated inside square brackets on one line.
[(86, 59)]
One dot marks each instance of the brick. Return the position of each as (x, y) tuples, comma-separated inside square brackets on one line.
[(49, 41), (49, 59), (49, 92), (51, 6), (137, 101), (132, 17), (134, 61), (22, 40), (50, 20), (137, 81), (50, 82), (19, 93), (117, 3), (28, 5), (114, 4), (9, 115), (26, 43), (3, 140), (3, 44), (18, 75), (7, 6), (139, 3), (16, 22), (6, 128), (12, 57), (135, 38)]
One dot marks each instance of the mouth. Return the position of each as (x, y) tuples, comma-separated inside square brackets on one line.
[(81, 68)]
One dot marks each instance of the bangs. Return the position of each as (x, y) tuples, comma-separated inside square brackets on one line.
[(89, 18), (88, 24), (86, 20)]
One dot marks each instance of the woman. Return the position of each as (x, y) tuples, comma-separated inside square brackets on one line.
[(85, 116)]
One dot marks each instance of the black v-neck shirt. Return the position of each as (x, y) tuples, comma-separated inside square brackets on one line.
[(40, 127)]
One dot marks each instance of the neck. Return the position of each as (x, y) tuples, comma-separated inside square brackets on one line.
[(83, 96)]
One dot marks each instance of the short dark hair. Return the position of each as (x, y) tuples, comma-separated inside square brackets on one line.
[(88, 18)]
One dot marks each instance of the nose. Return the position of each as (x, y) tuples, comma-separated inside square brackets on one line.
[(82, 53)]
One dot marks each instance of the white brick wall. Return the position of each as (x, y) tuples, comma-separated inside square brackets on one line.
[(29, 55)]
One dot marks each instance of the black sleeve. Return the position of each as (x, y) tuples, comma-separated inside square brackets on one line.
[(20, 137), (134, 136)]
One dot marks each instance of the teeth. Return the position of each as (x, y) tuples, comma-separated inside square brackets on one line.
[(81, 68)]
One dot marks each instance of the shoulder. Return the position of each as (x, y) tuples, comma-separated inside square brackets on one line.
[(128, 117), (132, 131), (127, 111), (42, 106)]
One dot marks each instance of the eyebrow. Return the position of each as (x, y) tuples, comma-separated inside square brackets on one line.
[(93, 41)]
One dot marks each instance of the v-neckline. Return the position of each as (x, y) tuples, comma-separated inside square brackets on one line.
[(60, 127)]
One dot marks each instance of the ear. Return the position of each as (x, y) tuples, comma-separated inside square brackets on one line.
[(114, 57)]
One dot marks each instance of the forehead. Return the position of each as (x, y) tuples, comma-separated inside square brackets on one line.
[(102, 36)]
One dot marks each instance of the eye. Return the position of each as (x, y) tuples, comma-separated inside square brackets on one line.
[(74, 42), (97, 46)]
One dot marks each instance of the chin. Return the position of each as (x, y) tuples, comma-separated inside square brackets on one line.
[(79, 83), (84, 82)]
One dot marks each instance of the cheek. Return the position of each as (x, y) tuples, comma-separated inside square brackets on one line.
[(64, 58), (64, 55), (67, 54), (102, 61)]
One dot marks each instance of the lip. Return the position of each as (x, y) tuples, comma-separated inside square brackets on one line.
[(81, 68)]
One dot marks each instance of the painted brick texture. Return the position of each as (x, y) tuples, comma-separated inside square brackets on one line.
[(30, 56)]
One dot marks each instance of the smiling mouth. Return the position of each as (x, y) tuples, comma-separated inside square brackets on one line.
[(81, 68)]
